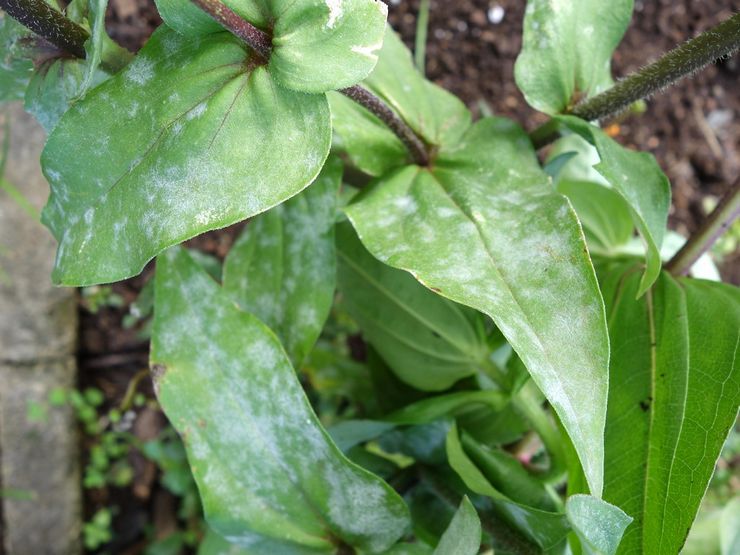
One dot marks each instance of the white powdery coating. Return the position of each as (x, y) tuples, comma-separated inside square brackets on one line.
[(335, 12), (140, 71)]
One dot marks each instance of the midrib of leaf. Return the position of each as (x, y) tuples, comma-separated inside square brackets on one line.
[(265, 442), (494, 265), (401, 305)]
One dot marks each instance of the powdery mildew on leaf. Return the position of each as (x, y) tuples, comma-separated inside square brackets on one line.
[(283, 266), (263, 464), (486, 229), (125, 188)]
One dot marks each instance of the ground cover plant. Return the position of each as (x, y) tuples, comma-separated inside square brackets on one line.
[(538, 379)]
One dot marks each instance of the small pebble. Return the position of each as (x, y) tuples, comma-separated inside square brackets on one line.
[(496, 14)]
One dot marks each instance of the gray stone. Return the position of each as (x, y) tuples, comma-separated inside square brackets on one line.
[(37, 320), (39, 469)]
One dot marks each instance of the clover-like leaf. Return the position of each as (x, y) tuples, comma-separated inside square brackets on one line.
[(192, 136), (485, 228), (266, 469), (567, 49), (317, 45)]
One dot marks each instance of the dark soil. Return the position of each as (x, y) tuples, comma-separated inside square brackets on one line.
[(691, 129)]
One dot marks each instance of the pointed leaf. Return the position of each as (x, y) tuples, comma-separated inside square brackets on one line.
[(638, 179), (463, 535), (485, 228), (544, 528), (264, 466), (317, 45), (282, 268), (674, 394), (428, 341), (147, 160), (567, 49), (597, 524)]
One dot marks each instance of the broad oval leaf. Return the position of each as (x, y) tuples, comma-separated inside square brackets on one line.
[(282, 268), (463, 535), (148, 159), (485, 228), (265, 467), (567, 49), (429, 342), (675, 392), (317, 45), (638, 179)]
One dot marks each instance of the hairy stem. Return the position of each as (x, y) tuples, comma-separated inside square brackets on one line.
[(719, 221), (256, 39), (375, 105), (49, 24), (684, 60)]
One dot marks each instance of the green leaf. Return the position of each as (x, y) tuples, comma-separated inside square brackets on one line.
[(485, 229), (317, 45), (16, 66), (674, 394), (603, 213), (282, 268), (264, 466), (433, 113), (463, 535), (567, 48), (638, 179), (147, 159), (433, 408), (428, 341), (213, 544), (597, 524), (530, 525)]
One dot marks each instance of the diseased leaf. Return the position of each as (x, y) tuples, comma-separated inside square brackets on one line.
[(463, 535), (317, 45), (265, 468), (436, 115), (674, 394), (16, 66), (125, 188), (567, 49), (213, 544), (597, 524), (428, 341), (485, 229), (638, 179), (282, 268)]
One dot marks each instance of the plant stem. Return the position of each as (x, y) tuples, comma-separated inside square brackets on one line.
[(375, 105), (261, 43), (256, 39), (49, 24), (422, 29), (717, 42), (719, 221)]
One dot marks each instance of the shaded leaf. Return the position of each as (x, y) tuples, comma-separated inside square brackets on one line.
[(567, 48), (433, 408), (125, 188), (675, 391), (428, 341), (282, 268), (463, 535), (485, 229), (317, 45), (638, 179), (16, 66), (264, 466)]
